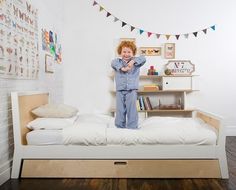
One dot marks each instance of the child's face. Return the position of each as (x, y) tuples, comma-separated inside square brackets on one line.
[(126, 53)]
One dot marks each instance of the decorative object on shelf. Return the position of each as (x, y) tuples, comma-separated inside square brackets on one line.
[(150, 51), (180, 67), (152, 71), (157, 35), (169, 51), (19, 56), (167, 71), (176, 106), (49, 64)]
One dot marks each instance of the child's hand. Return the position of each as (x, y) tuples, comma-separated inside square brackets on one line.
[(124, 69), (131, 64)]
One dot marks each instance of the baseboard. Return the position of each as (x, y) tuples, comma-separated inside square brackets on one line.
[(4, 176), (230, 130)]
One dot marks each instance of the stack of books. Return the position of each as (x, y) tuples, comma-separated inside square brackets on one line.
[(143, 103), (151, 87)]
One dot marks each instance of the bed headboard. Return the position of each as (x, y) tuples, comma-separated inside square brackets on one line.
[(22, 105)]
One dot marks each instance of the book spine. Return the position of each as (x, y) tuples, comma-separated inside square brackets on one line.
[(146, 103), (149, 103)]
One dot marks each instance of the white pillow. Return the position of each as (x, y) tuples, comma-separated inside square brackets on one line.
[(94, 118), (55, 111), (51, 123)]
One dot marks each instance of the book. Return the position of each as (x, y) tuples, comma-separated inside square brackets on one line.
[(146, 104), (149, 103)]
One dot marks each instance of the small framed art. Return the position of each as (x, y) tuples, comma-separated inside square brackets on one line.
[(49, 64), (150, 51), (169, 52)]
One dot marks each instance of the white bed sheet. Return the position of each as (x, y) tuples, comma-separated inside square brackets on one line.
[(45, 137), (99, 130)]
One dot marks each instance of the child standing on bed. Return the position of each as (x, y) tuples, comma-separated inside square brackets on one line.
[(127, 69)]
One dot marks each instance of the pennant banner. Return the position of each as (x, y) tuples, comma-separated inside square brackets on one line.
[(149, 33)]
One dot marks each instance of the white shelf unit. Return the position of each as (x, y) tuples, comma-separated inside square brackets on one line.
[(172, 88)]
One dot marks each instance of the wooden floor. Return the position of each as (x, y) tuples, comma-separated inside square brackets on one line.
[(133, 184)]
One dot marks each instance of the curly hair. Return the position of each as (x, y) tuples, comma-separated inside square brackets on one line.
[(127, 44)]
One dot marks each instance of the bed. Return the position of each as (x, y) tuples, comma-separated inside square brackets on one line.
[(112, 160)]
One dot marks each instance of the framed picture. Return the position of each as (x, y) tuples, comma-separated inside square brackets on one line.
[(49, 64), (169, 51), (128, 39), (150, 51), (180, 67)]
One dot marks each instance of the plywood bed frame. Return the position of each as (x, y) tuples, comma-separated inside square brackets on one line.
[(117, 161)]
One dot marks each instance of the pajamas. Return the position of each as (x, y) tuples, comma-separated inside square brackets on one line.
[(126, 92), (126, 105)]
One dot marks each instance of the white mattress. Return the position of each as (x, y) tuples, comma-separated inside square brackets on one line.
[(98, 130), (44, 137)]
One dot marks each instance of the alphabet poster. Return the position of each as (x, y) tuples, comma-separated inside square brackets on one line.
[(19, 56)]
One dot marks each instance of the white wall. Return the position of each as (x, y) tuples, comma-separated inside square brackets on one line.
[(50, 17), (89, 48)]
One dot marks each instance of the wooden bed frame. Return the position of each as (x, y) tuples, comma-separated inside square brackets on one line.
[(111, 161)]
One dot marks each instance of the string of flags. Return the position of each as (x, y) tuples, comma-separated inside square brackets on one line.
[(149, 33)]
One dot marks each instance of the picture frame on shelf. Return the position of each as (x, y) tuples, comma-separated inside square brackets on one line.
[(180, 67), (150, 51), (49, 64), (169, 51)]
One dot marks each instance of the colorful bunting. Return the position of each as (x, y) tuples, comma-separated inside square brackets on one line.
[(95, 3), (149, 34), (123, 24), (167, 36), (108, 14), (141, 31), (195, 34), (116, 19), (205, 31), (132, 28), (213, 27)]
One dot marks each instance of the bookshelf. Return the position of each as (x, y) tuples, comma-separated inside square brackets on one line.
[(172, 91)]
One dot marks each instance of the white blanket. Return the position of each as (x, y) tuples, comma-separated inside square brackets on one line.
[(153, 130), (85, 133)]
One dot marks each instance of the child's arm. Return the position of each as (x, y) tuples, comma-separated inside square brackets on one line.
[(139, 61), (116, 64)]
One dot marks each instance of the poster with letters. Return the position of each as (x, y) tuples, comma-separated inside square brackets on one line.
[(19, 56)]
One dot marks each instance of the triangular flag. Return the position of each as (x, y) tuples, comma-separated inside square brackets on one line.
[(149, 34), (186, 36), (213, 27), (108, 14), (167, 37), (132, 28), (177, 36), (195, 34), (205, 31), (141, 31), (158, 36), (101, 8), (123, 24), (95, 3), (116, 19)]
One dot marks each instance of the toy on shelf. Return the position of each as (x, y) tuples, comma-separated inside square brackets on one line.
[(152, 71), (176, 106)]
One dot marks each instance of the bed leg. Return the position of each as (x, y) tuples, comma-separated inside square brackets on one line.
[(223, 165), (16, 166)]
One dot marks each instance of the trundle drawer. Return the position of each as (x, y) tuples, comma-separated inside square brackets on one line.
[(121, 168)]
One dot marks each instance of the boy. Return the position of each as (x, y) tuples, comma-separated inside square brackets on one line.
[(127, 70)]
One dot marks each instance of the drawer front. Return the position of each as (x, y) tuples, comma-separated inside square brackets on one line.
[(121, 168), (177, 83)]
